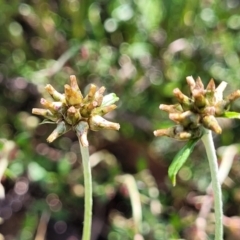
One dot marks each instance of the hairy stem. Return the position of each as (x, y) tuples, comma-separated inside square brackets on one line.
[(88, 193), (212, 158)]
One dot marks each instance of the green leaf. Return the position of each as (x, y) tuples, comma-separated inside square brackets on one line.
[(180, 159), (109, 99), (231, 115)]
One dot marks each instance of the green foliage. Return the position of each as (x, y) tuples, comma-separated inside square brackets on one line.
[(231, 115), (180, 159)]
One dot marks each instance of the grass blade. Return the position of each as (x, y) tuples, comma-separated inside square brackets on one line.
[(180, 159)]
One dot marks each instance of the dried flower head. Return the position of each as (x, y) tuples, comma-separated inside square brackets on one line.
[(199, 110), (71, 110)]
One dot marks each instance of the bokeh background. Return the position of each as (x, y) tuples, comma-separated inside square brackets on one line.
[(141, 50)]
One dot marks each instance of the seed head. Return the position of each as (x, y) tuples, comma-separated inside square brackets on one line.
[(70, 110), (200, 110)]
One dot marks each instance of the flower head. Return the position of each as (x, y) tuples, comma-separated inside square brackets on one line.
[(71, 110), (199, 110)]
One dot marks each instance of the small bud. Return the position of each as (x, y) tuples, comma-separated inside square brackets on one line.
[(90, 96), (103, 110), (186, 119), (45, 103), (73, 97), (45, 113), (52, 106), (61, 128), (211, 86), (172, 132), (210, 93), (199, 84), (191, 134), (74, 85), (55, 94), (99, 95), (199, 98), (57, 106), (87, 109), (191, 82), (97, 123), (176, 108), (168, 132), (176, 117), (211, 123), (184, 136), (233, 96), (73, 116), (178, 132), (183, 99)]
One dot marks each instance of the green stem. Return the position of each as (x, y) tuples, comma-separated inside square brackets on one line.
[(88, 193), (212, 158)]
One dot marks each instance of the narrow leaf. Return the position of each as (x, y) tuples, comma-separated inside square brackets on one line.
[(180, 159), (231, 115)]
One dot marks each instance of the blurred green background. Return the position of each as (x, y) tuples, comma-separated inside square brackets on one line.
[(141, 50)]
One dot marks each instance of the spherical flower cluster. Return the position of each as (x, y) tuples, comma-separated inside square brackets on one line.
[(71, 110), (199, 110)]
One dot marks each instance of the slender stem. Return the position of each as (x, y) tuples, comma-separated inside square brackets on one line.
[(134, 195), (212, 158), (88, 193)]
